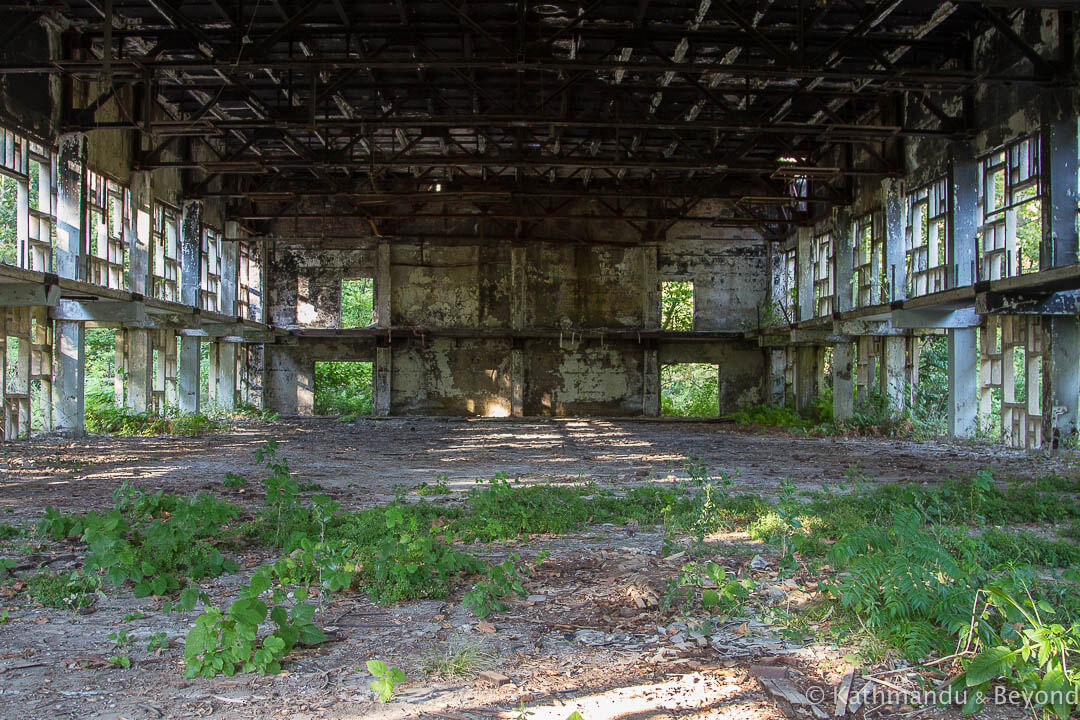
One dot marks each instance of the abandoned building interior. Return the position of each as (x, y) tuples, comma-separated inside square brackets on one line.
[(323, 244)]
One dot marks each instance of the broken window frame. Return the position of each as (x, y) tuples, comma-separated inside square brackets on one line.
[(210, 269), (165, 263), (248, 281), (20, 159), (868, 261), (926, 238), (108, 213), (1019, 164), (824, 279)]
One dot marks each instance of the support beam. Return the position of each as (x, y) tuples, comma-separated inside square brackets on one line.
[(650, 392), (804, 255), (189, 374), (137, 234), (843, 363), (893, 205), (100, 311), (843, 255), (139, 369), (1058, 156), (29, 295), (809, 367), (382, 381), (1060, 379), (895, 374), (518, 287), (935, 319), (225, 375), (963, 376), (382, 285), (69, 381), (963, 217)]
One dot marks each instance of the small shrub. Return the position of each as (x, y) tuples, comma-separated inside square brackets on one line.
[(63, 590)]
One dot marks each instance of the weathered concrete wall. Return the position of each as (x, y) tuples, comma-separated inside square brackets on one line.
[(562, 286)]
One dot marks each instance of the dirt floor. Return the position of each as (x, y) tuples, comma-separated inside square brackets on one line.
[(589, 637)]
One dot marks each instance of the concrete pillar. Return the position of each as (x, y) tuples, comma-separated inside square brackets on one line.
[(963, 215), (289, 381), (69, 379), (895, 376), (650, 320), (188, 381), (517, 322), (894, 225), (843, 248), (963, 367), (137, 234), (808, 370), (963, 376), (650, 394), (225, 372), (1058, 156), (230, 263), (804, 282), (777, 394), (843, 362), (382, 285), (188, 374), (139, 368), (382, 380)]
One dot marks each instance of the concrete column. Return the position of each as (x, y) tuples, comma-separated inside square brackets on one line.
[(895, 210), (808, 369), (212, 373), (963, 376), (517, 322), (188, 374), (225, 381), (382, 380), (230, 264), (894, 360), (137, 234), (804, 282), (290, 382), (650, 287), (382, 286), (1058, 156), (650, 394), (843, 362), (139, 368), (963, 215), (69, 378), (650, 320), (963, 368), (843, 247), (1061, 379), (777, 376), (188, 390)]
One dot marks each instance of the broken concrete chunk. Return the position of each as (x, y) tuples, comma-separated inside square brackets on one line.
[(495, 679)]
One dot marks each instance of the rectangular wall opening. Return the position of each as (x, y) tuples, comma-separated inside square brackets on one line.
[(689, 390), (677, 305), (343, 388), (357, 302)]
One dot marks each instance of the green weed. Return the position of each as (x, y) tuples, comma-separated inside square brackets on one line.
[(64, 590)]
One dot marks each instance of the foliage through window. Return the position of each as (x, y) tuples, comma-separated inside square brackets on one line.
[(689, 390), (1010, 233), (357, 302), (343, 388), (677, 305)]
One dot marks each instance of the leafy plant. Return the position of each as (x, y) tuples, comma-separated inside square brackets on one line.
[(157, 641), (1014, 641), (487, 596), (120, 660), (65, 590), (386, 679), (227, 642), (234, 481)]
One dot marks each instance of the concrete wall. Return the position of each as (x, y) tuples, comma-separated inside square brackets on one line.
[(565, 287)]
